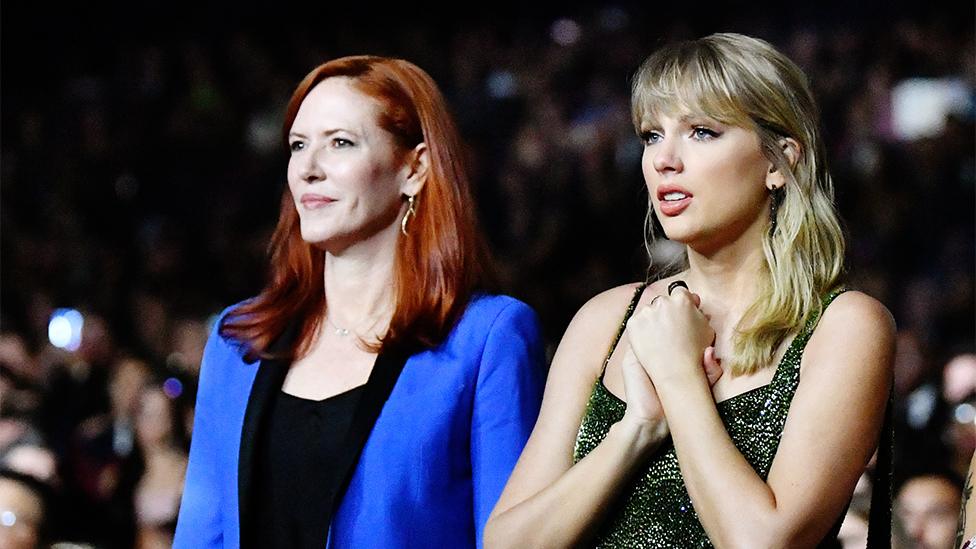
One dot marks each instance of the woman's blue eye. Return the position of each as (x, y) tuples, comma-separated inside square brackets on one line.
[(296, 146), (339, 142), (650, 137), (701, 133)]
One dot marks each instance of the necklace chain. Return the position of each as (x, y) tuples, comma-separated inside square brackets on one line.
[(344, 332), (339, 331)]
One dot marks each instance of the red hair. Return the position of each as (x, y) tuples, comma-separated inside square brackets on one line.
[(439, 263)]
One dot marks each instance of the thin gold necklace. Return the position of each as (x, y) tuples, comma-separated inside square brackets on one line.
[(339, 331), (344, 332)]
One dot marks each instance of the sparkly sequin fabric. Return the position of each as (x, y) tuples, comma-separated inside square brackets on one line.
[(658, 512)]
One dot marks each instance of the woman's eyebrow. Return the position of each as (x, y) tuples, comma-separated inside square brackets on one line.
[(326, 133)]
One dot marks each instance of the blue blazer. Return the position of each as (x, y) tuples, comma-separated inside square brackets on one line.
[(434, 463)]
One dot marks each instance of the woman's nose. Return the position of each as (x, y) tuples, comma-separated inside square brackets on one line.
[(310, 170), (667, 157)]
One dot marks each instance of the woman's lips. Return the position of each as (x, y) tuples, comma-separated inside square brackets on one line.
[(672, 199), (315, 201), (672, 208)]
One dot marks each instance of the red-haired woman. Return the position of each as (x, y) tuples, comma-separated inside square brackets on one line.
[(372, 395)]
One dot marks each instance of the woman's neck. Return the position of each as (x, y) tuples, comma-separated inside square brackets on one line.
[(359, 292), (727, 280)]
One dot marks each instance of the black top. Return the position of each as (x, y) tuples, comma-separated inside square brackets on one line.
[(297, 477)]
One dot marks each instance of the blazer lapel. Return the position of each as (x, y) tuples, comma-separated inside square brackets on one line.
[(386, 371), (268, 380)]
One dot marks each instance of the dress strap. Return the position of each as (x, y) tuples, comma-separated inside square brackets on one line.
[(814, 319), (623, 325), (788, 370)]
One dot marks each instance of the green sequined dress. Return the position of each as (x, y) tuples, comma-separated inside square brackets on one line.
[(658, 512)]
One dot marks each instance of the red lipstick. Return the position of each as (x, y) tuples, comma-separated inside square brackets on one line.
[(672, 199)]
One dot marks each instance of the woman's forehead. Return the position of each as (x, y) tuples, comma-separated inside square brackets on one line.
[(338, 102)]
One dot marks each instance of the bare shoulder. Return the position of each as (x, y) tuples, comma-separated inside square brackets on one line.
[(837, 412), (859, 314), (607, 305), (591, 331), (856, 326)]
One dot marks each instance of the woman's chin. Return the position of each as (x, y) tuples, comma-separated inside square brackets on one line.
[(679, 235), (323, 240)]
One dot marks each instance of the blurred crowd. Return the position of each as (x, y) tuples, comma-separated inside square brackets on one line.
[(142, 172)]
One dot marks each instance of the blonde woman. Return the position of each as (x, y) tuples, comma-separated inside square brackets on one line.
[(742, 397)]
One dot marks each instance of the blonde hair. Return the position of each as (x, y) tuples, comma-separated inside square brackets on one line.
[(746, 82)]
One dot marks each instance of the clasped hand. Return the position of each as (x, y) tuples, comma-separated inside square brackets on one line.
[(670, 341)]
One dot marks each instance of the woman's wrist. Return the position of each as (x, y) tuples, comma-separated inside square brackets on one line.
[(640, 435), (681, 378)]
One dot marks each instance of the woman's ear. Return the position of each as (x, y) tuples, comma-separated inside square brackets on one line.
[(416, 165), (775, 178)]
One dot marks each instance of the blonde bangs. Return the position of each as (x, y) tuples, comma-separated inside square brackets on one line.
[(673, 82)]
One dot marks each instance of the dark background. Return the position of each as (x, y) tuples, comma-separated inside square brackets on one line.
[(142, 169)]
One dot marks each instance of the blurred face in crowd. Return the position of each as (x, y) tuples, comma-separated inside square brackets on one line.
[(154, 420), (346, 173), (188, 340), (128, 379), (32, 459), (928, 508), (707, 180), (959, 378), (21, 512)]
